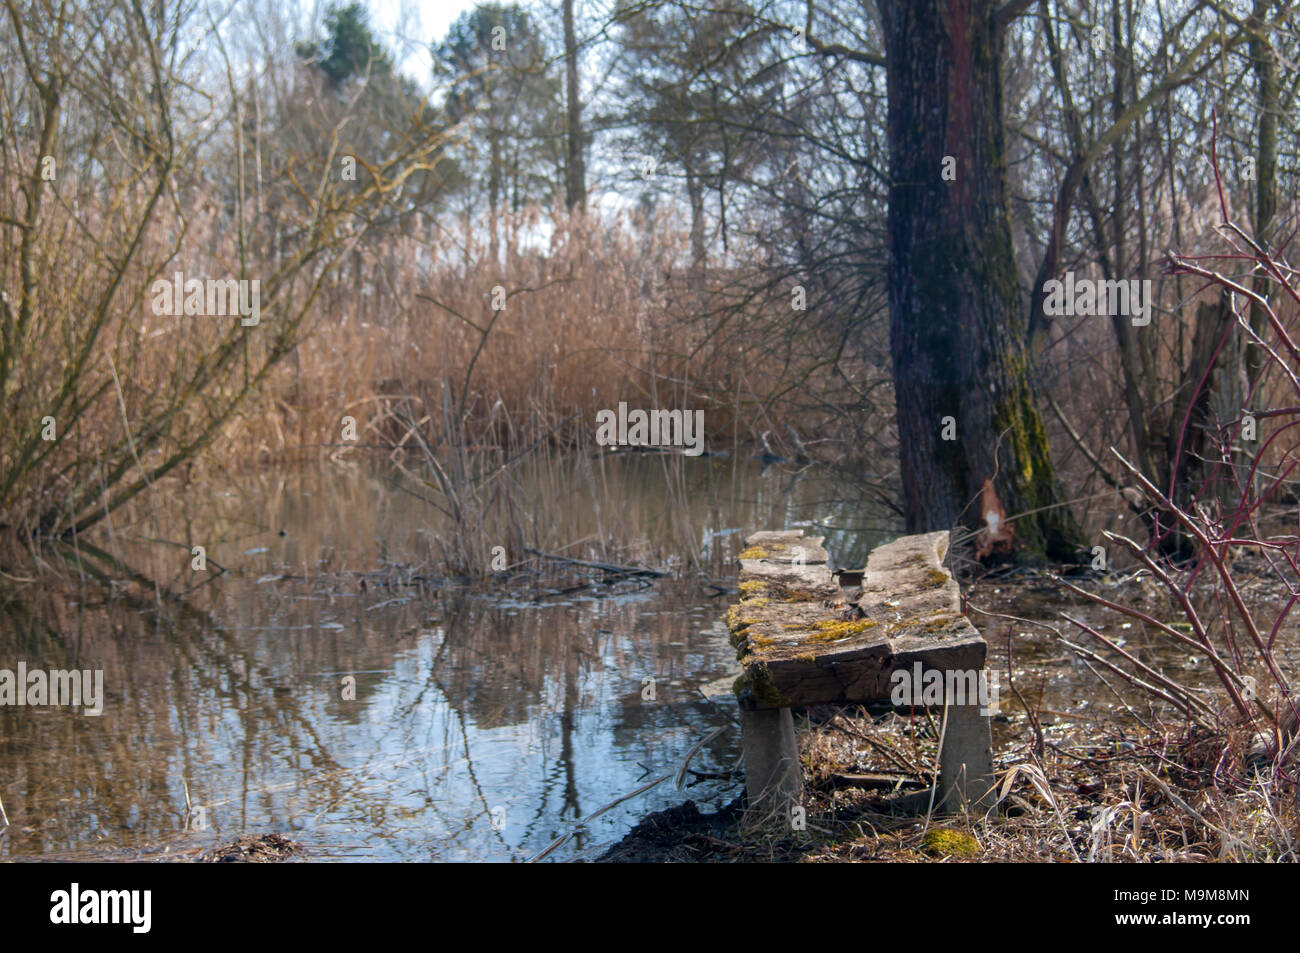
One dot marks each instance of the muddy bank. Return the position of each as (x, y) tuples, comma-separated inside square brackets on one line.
[(678, 835)]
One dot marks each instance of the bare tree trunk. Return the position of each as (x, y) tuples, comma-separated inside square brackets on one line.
[(575, 171), (494, 198), (1216, 361), (695, 193), (957, 321)]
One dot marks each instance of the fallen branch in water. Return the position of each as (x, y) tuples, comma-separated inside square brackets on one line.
[(604, 567), (681, 773), (565, 838)]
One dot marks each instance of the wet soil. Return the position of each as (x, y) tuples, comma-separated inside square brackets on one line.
[(678, 835)]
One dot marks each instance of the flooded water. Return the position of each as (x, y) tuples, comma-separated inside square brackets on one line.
[(386, 721)]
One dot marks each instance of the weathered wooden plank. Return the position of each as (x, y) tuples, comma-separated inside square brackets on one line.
[(798, 646), (783, 548)]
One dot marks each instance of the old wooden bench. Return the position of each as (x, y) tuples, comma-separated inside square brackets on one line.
[(798, 646)]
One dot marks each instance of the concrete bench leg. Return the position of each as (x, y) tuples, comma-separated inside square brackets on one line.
[(966, 761), (773, 776)]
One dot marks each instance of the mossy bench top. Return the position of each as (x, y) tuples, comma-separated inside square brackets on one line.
[(798, 646)]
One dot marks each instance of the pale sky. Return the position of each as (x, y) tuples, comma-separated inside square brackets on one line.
[(407, 26)]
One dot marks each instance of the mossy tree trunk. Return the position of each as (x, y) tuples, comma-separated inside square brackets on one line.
[(956, 314), (1264, 63)]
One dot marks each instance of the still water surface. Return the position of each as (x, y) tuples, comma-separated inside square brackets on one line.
[(485, 724)]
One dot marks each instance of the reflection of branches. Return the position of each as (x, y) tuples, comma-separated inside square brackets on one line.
[(469, 760), (226, 668)]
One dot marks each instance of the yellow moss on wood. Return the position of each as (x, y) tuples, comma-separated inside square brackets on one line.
[(775, 591), (937, 577), (736, 622), (799, 595), (831, 630), (738, 626), (763, 552), (931, 624)]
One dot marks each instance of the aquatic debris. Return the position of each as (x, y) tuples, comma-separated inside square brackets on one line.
[(267, 849)]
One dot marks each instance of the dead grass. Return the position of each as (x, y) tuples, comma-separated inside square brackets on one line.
[(1116, 800), (591, 316)]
